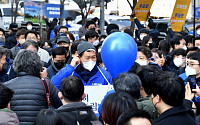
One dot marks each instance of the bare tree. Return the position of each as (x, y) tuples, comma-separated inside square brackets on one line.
[(12, 4), (84, 9), (61, 11), (16, 9), (132, 8)]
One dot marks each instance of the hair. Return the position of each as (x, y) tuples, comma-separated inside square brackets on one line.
[(175, 41), (125, 118), (128, 31), (2, 51), (148, 76), (192, 49), (146, 40), (58, 51), (170, 88), (31, 31), (164, 47), (194, 56), (128, 82), (68, 18), (29, 62), (178, 52), (116, 104), (99, 59), (74, 46), (30, 42), (2, 31), (152, 25), (102, 36), (72, 88), (90, 34), (20, 32), (48, 117), (88, 23), (146, 51), (29, 22), (71, 36), (188, 39), (144, 30), (198, 27), (111, 28), (61, 27), (43, 43), (6, 95)]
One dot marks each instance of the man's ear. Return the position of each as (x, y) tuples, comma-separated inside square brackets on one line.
[(76, 53), (8, 106), (83, 96), (60, 95)]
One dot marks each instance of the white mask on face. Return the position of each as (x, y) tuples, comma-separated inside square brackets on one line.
[(142, 36), (142, 63), (178, 62), (190, 71), (69, 22), (89, 65), (29, 27), (198, 32), (184, 47), (95, 43), (21, 41)]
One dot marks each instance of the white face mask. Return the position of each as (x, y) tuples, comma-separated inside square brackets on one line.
[(29, 27), (184, 47), (142, 63), (142, 36), (198, 32), (89, 65), (69, 22), (190, 71), (95, 43), (178, 62), (21, 41)]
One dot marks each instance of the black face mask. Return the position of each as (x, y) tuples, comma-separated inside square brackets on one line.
[(92, 29), (59, 65)]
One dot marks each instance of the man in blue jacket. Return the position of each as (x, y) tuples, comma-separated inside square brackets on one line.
[(84, 66)]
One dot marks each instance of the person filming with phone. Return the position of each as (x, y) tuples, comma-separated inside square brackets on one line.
[(84, 66)]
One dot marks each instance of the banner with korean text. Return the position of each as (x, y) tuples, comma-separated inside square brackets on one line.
[(179, 14), (142, 8), (95, 94)]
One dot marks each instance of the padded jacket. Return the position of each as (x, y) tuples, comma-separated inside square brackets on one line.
[(30, 97)]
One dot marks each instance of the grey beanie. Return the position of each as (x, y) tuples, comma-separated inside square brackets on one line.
[(84, 46)]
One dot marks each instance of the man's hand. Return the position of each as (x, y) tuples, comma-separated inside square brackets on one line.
[(188, 93), (43, 73), (197, 91), (75, 61)]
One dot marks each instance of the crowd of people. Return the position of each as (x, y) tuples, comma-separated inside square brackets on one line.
[(42, 82)]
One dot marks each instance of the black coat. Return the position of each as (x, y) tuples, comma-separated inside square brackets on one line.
[(78, 112), (11, 41), (29, 97), (175, 116)]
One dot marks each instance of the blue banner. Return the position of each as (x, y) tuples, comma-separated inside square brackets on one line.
[(52, 10), (197, 13)]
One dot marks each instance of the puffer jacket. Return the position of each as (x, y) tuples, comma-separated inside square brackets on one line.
[(30, 97)]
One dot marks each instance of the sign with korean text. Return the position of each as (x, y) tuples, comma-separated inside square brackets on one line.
[(179, 14), (52, 10), (142, 8), (95, 94)]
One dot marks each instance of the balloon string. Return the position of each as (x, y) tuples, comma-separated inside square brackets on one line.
[(103, 76)]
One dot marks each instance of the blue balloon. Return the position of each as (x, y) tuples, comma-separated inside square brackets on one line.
[(118, 52)]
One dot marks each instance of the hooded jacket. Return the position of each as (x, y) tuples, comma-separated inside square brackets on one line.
[(8, 117)]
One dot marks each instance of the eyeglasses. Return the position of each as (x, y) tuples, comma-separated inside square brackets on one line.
[(188, 64)]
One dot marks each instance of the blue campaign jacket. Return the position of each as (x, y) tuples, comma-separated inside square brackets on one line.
[(97, 79)]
